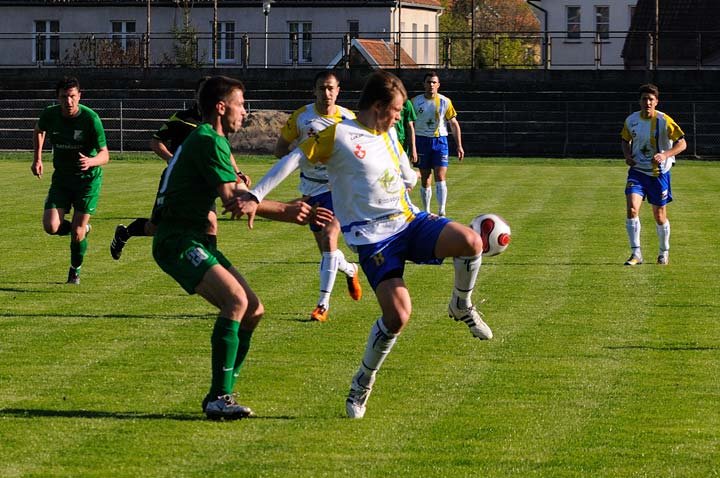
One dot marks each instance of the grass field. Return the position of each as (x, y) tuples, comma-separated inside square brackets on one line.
[(596, 370)]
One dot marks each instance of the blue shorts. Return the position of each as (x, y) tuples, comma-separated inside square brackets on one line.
[(657, 190), (322, 200), (432, 152), (386, 259)]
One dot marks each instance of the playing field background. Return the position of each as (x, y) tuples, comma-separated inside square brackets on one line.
[(596, 369)]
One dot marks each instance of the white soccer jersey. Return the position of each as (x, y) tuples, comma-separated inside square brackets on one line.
[(649, 136), (302, 124), (369, 173), (432, 115)]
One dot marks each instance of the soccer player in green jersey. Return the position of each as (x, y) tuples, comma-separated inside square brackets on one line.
[(79, 149), (199, 172)]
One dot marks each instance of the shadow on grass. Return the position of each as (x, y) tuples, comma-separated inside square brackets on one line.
[(94, 414), (113, 316), (664, 347)]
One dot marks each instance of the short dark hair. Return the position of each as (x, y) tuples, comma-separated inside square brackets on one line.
[(650, 88), (430, 74), (381, 86), (215, 89), (325, 75), (66, 83), (201, 81)]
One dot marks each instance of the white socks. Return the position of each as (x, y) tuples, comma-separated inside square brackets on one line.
[(663, 233), (329, 265), (426, 195), (466, 272), (441, 190), (379, 343), (633, 231)]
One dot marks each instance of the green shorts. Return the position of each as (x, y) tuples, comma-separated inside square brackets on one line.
[(79, 193), (186, 256)]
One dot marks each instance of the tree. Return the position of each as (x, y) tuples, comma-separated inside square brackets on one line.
[(507, 31)]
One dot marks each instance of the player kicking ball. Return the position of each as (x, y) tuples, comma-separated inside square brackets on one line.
[(369, 174)]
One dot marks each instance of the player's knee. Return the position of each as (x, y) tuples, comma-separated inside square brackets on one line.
[(474, 243)]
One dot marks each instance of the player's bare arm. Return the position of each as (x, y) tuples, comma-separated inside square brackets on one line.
[(455, 125), (102, 158), (627, 152), (679, 146), (38, 140)]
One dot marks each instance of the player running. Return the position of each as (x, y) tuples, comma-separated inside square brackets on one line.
[(303, 123)]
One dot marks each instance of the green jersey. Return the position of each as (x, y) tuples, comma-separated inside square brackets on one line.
[(406, 115), (189, 186), (82, 133)]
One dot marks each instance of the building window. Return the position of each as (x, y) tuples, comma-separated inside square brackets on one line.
[(123, 35), (602, 22), (302, 51), (632, 14), (47, 41), (414, 44), (573, 22), (426, 45), (354, 29), (225, 42)]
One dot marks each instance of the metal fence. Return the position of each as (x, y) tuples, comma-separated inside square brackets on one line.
[(549, 127), (493, 50)]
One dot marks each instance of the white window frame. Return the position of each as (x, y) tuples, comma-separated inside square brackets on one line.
[(304, 31), (124, 38), (574, 27), (602, 28), (226, 45), (49, 39)]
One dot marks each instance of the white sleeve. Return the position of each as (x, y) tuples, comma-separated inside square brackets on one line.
[(281, 170), (408, 173)]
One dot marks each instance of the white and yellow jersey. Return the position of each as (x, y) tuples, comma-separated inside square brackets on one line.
[(306, 122), (648, 136), (369, 173), (433, 115)]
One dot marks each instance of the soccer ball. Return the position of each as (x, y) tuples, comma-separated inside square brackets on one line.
[(494, 231)]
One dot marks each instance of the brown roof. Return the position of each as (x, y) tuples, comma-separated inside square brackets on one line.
[(374, 54)]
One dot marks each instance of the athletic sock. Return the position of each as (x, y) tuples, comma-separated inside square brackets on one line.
[(632, 225), (663, 232), (466, 272), (343, 265), (328, 273), (441, 190), (64, 229), (137, 227), (244, 337), (224, 342), (77, 252), (379, 343), (426, 196)]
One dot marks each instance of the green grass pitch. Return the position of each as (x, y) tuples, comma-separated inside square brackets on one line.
[(596, 370)]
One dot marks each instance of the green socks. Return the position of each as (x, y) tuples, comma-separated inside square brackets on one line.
[(224, 343), (77, 252)]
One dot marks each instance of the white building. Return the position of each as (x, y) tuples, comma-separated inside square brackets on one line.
[(585, 33), (277, 33)]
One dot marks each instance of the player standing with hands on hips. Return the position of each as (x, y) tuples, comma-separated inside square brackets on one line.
[(79, 149), (650, 142), (369, 175)]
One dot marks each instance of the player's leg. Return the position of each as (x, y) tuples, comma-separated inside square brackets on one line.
[(440, 164), (250, 320), (220, 287), (333, 260), (633, 227), (662, 227), (424, 151), (54, 222), (425, 188), (465, 247), (396, 306), (440, 173), (80, 227)]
